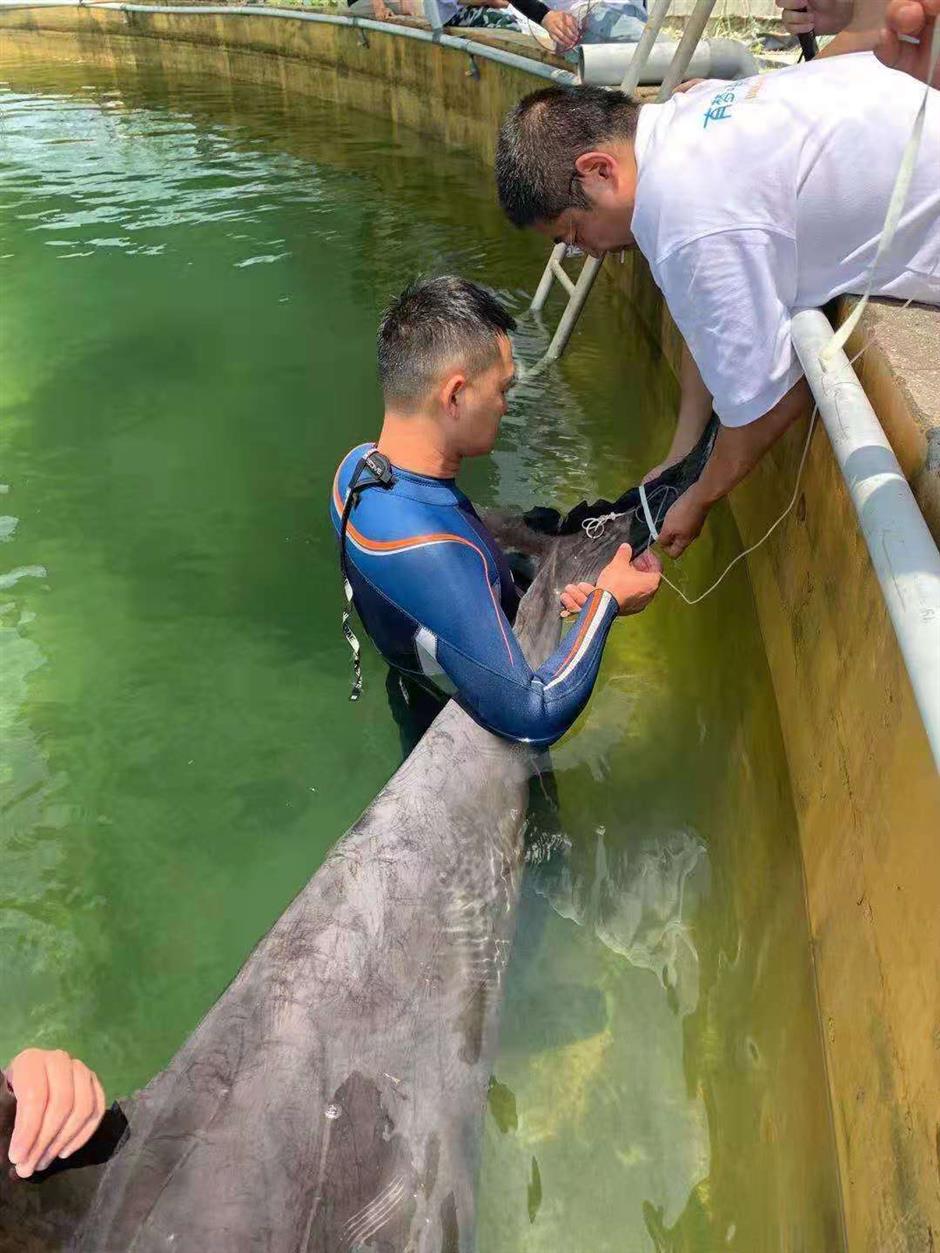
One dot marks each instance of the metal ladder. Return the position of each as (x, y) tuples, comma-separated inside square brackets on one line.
[(579, 289)]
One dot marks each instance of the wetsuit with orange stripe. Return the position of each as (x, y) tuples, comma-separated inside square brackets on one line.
[(436, 595)]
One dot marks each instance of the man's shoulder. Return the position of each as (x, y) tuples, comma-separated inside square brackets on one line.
[(708, 171), (344, 471), (397, 522)]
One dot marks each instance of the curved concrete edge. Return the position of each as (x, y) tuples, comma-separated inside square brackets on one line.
[(863, 783)]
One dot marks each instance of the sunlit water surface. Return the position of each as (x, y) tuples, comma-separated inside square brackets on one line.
[(191, 277)]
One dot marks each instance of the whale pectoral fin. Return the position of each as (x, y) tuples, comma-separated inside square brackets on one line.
[(513, 534)]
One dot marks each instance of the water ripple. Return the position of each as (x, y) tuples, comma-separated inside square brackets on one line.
[(72, 167)]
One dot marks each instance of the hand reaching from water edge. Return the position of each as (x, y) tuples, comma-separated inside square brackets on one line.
[(59, 1104)]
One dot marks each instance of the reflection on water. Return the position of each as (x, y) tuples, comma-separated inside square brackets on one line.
[(640, 907), (192, 276)]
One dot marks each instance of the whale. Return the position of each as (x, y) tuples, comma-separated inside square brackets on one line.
[(332, 1099)]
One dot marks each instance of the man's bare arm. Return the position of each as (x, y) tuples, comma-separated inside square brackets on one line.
[(737, 451), (695, 408), (856, 24)]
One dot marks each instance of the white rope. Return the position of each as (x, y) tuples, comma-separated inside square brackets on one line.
[(902, 185), (770, 530), (594, 527), (767, 534)]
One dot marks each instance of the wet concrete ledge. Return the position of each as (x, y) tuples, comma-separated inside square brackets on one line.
[(864, 786)]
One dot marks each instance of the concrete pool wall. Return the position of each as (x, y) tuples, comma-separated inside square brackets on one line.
[(863, 782)]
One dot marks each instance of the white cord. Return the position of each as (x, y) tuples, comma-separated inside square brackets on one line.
[(593, 528), (767, 534), (770, 530)]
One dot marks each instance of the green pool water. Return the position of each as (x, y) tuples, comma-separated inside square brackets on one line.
[(190, 277)]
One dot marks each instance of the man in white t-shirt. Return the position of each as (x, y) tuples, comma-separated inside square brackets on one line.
[(750, 200)]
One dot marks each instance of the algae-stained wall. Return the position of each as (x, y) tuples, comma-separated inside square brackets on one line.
[(865, 789), (867, 797), (437, 91)]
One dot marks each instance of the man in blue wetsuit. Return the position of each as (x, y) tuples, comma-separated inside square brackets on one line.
[(430, 583)]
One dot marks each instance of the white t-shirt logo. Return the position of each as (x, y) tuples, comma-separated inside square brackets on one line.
[(720, 107)]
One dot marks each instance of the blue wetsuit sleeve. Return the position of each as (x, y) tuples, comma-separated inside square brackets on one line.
[(476, 648)]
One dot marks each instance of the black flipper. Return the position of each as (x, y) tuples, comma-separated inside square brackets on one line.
[(661, 492)]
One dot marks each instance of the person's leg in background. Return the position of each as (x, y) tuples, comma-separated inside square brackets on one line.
[(484, 17), (384, 9), (368, 8), (613, 23)]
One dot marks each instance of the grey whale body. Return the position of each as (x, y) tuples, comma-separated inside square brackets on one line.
[(332, 1099)]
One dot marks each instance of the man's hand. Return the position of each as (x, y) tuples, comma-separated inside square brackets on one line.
[(916, 19), (574, 598), (563, 27), (822, 17), (59, 1104), (683, 523), (633, 584), (736, 452), (695, 408), (381, 12)]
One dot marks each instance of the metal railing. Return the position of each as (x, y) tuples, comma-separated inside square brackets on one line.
[(578, 290)]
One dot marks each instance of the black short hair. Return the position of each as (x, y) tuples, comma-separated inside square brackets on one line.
[(433, 322), (542, 137)]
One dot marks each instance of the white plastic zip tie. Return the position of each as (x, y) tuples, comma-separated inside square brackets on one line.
[(653, 529)]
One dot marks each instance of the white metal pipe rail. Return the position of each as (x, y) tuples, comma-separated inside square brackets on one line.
[(577, 298), (654, 24), (559, 273), (610, 65), (694, 29), (556, 256), (902, 550)]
